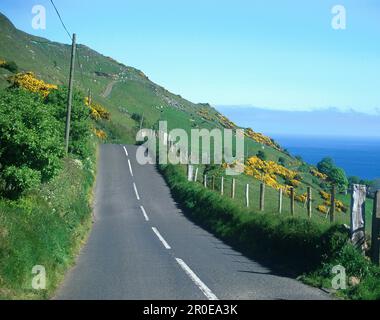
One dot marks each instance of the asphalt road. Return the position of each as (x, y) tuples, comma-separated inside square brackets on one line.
[(143, 247)]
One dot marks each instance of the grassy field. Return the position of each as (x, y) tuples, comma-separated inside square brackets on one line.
[(272, 196)]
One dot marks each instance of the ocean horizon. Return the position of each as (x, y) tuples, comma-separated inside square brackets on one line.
[(358, 156)]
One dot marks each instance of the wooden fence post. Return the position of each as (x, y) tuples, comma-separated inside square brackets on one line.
[(280, 201), (332, 208), (375, 247), (205, 181), (190, 172), (292, 201), (357, 229), (222, 186), (196, 175), (262, 196), (309, 202), (233, 188), (247, 195)]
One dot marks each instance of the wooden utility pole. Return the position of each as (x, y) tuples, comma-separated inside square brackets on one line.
[(375, 247), (332, 208), (222, 186), (70, 94)]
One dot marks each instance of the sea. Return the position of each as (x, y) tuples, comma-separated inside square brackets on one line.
[(357, 156)]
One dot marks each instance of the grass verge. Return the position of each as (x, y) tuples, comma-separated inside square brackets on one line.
[(45, 227), (308, 248)]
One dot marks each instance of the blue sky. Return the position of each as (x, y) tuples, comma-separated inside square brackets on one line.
[(274, 54)]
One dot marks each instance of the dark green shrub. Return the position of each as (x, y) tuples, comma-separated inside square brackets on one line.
[(137, 117), (11, 66), (282, 161), (261, 155), (19, 179), (29, 138), (80, 127)]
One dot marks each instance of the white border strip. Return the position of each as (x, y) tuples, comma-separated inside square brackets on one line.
[(126, 152), (206, 291), (159, 236)]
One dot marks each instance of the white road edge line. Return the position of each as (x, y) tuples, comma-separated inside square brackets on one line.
[(159, 236), (144, 213), (137, 194), (130, 167), (126, 152), (206, 291)]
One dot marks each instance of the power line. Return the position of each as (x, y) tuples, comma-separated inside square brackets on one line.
[(80, 66), (60, 18), (69, 34)]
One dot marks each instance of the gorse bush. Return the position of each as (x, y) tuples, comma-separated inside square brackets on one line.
[(29, 82), (32, 137)]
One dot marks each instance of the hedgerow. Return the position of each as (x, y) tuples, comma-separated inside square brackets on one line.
[(308, 248)]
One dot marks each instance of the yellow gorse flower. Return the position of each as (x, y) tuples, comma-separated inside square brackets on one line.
[(97, 111), (29, 82), (226, 123), (338, 204), (260, 138), (318, 174), (100, 134), (323, 209), (268, 171)]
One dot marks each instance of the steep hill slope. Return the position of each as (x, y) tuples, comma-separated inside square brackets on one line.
[(125, 91)]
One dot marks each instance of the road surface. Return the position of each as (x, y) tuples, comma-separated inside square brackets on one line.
[(143, 247)]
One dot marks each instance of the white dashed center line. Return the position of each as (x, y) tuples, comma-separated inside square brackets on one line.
[(136, 192), (206, 291), (159, 236), (144, 213), (130, 167), (126, 152)]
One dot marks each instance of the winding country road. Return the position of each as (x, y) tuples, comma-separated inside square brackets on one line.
[(143, 247)]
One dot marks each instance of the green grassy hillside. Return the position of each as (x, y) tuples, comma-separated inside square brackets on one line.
[(125, 90)]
